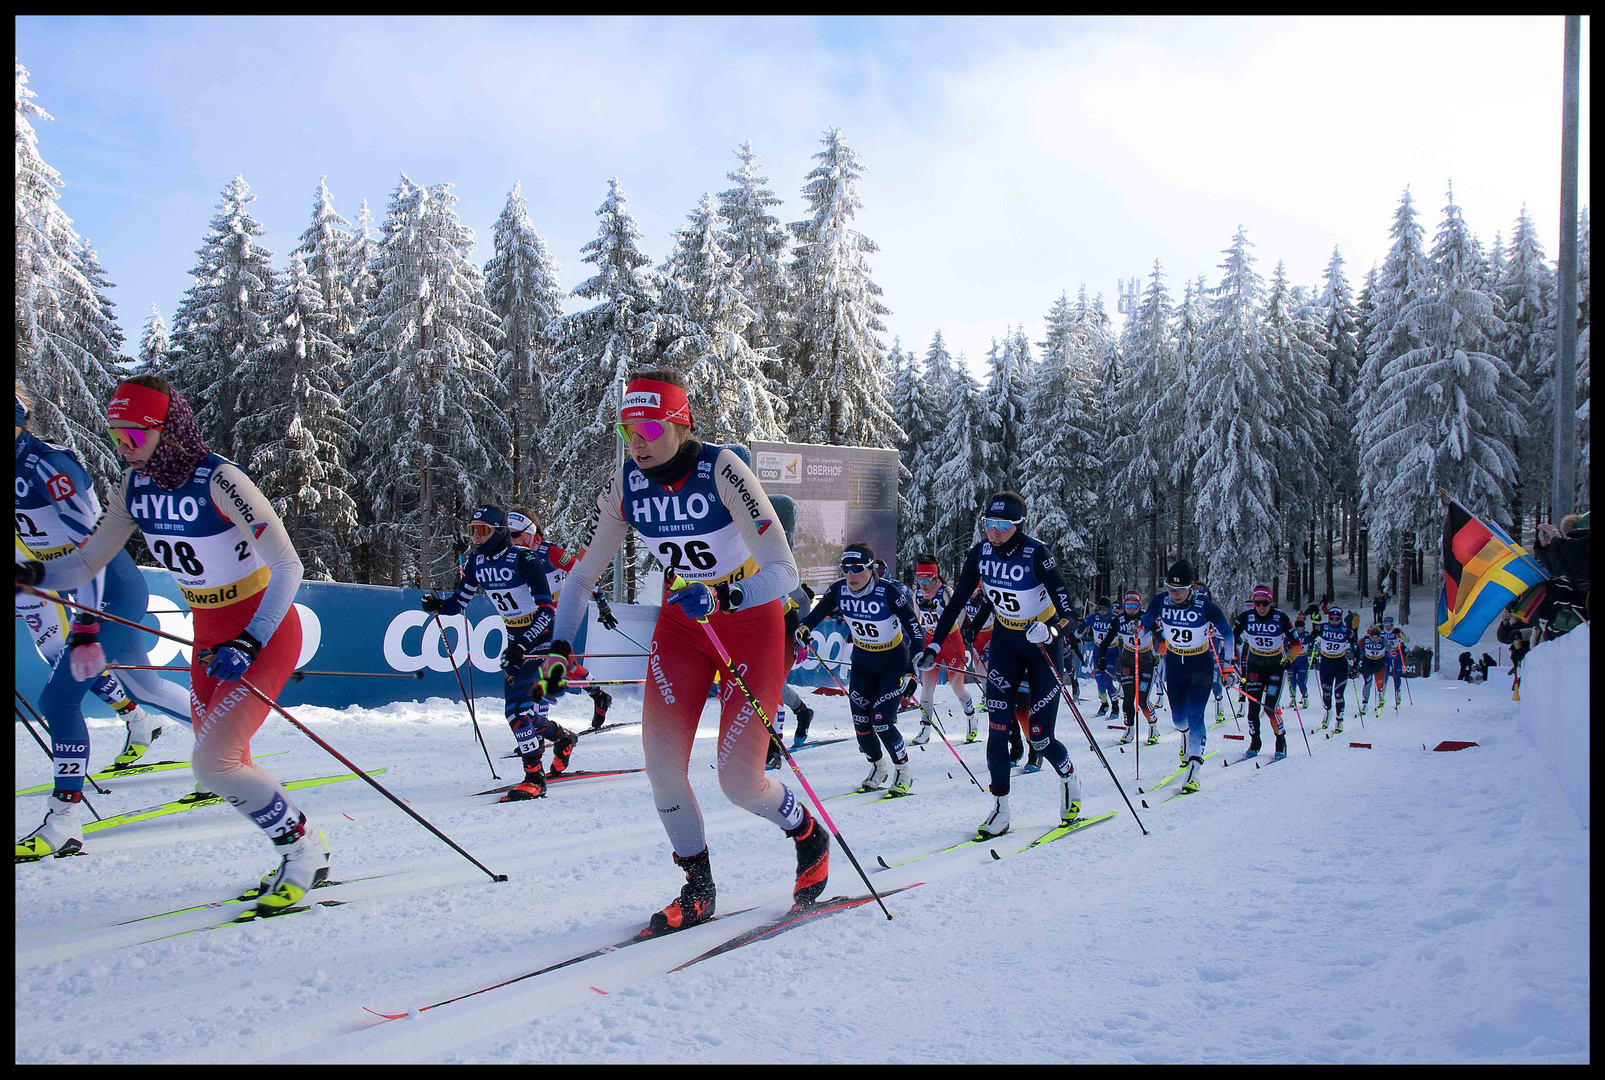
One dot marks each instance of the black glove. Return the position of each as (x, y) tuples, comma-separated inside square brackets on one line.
[(30, 573), (513, 654), (458, 544), (604, 614), (430, 602)]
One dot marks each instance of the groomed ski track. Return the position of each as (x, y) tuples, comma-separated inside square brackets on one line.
[(1380, 905)]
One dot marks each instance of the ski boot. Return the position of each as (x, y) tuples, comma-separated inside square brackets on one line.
[(1220, 712), (902, 780), (600, 700), (1396, 702), (562, 749), (60, 834), (533, 786), (1153, 735), (696, 900), (908, 704), (813, 860), (997, 822), (876, 780), (1304, 703), (1033, 763), (805, 716), (1190, 785), (143, 730), (1069, 798), (1253, 745), (969, 718), (1131, 733), (1338, 730), (305, 863), (1181, 751), (925, 734), (1103, 707), (1281, 746)]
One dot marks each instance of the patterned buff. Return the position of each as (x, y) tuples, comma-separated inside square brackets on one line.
[(181, 448)]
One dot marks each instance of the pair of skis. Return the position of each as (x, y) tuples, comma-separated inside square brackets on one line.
[(1058, 832), (189, 802), (792, 919)]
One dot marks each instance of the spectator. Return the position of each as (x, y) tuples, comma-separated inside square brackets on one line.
[(1517, 633), (1563, 552)]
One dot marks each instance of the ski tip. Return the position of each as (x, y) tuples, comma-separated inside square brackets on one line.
[(881, 859), (386, 1016), (995, 856)]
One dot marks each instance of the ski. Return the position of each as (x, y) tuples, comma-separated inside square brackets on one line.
[(244, 898), (582, 732), (1058, 832), (792, 919), (811, 743), (636, 939), (1171, 776), (578, 774), (971, 842), (180, 805), (241, 919), (136, 770)]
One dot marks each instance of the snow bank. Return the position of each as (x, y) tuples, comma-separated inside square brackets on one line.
[(1554, 711)]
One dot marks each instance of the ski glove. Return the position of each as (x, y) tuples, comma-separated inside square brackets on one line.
[(696, 600), (604, 613), (926, 660), (233, 658), (907, 684), (29, 573), (1039, 633), (513, 654), (430, 602), (552, 674)]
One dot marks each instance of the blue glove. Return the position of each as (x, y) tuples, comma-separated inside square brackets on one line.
[(232, 659), (696, 600)]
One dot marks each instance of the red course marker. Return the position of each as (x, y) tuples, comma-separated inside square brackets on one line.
[(1452, 745), (1361, 745)]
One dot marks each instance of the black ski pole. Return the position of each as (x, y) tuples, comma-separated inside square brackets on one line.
[(1085, 730), (468, 701), (276, 707), (52, 758)]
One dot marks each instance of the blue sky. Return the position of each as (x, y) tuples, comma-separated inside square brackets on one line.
[(1009, 160)]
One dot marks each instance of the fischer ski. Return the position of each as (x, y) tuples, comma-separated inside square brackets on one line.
[(792, 919), (1058, 832), (1171, 776), (244, 898), (135, 770), (971, 842), (635, 939), (579, 774), (180, 805)]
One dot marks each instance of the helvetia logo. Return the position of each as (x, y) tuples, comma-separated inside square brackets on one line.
[(258, 529), (642, 399), (763, 525)]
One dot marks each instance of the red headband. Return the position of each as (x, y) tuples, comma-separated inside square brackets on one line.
[(647, 399), (925, 569), (139, 404)]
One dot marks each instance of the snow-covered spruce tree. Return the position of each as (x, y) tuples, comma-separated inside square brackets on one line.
[(225, 317), (703, 297), (596, 349), (1142, 478), (1337, 472), (757, 244), (1451, 402), (1293, 339), (154, 345), (358, 263), (1170, 412), (910, 408), (1060, 445), (65, 333), (425, 390), (1002, 416), (960, 486), (1526, 290), (840, 373), (291, 402), (1401, 283), (1239, 414), (938, 391), (323, 250), (521, 285)]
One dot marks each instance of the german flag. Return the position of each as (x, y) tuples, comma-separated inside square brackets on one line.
[(1483, 571)]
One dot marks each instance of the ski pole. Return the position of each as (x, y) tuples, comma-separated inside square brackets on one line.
[(930, 714), (52, 757), (276, 707), (947, 667), (468, 701), (1293, 700), (1085, 730), (611, 655), (676, 583), (606, 682), (295, 676), (1220, 670), (1404, 676)]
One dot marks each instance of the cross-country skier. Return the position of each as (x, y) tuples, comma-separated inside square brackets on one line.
[(1220, 709), (1298, 670), (931, 596), (1135, 663), (703, 515), (1334, 646), (1268, 644), (56, 509), (1396, 639), (880, 617), (1185, 617), (219, 536), (524, 529), (514, 579), (1097, 627), (796, 605), (1373, 666), (1034, 617)]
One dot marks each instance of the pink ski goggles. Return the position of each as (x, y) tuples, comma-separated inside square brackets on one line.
[(131, 438), (649, 429)]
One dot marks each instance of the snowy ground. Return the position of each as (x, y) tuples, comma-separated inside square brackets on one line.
[(1358, 905)]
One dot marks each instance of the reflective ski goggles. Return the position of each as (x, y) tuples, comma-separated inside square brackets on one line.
[(480, 532), (1262, 603), (131, 438), (649, 429), (998, 524), (924, 579), (854, 564)]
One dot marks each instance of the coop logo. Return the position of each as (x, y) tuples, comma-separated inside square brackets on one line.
[(776, 468), (413, 642)]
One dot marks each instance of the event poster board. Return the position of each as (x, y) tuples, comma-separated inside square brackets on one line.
[(844, 494)]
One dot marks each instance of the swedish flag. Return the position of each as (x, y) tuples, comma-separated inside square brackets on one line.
[(1483, 571)]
